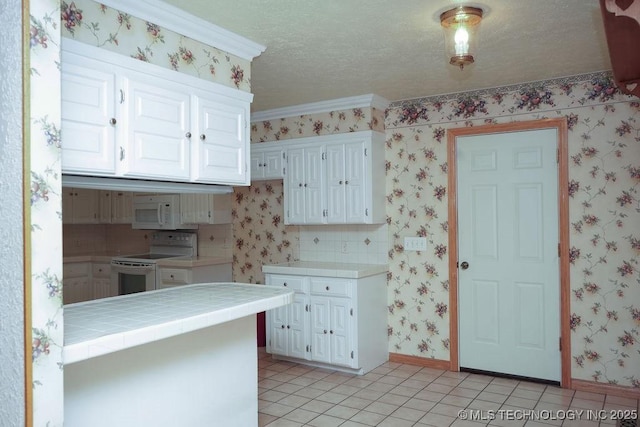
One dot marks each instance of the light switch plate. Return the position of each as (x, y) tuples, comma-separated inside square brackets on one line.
[(415, 243)]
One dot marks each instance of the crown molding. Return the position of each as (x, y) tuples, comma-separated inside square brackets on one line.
[(363, 101), (174, 19)]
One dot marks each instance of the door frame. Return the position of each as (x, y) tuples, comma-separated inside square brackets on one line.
[(560, 124)]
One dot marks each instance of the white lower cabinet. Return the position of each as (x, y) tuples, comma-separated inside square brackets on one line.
[(101, 284), (76, 278), (172, 276), (335, 322)]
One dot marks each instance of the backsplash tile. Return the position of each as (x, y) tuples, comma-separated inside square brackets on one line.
[(121, 239), (344, 243), (215, 240)]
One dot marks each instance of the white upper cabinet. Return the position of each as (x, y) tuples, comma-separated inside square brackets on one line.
[(220, 147), (304, 189), (335, 179), (157, 117), (205, 208), (88, 116), (268, 161), (126, 118)]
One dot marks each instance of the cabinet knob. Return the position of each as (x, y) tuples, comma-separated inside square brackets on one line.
[(113, 121), (340, 182), (203, 137), (327, 288), (172, 276), (285, 283), (288, 327), (305, 184), (346, 182), (325, 331), (300, 185), (282, 327), (188, 135), (331, 332)]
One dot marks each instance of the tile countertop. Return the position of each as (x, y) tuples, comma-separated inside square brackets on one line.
[(326, 269), (167, 262), (98, 327), (194, 261)]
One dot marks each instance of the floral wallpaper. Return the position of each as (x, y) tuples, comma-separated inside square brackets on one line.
[(93, 23), (45, 210), (604, 173), (604, 184), (259, 232), (302, 126)]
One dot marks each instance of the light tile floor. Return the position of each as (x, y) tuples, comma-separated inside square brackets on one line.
[(399, 395)]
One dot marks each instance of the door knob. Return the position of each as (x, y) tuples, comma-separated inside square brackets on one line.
[(464, 265)]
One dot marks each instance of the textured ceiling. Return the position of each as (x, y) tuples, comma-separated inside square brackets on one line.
[(329, 49)]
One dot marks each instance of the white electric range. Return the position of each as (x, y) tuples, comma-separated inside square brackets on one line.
[(138, 272)]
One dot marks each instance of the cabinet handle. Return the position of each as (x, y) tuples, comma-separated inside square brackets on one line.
[(121, 96), (188, 135), (113, 121), (203, 137), (121, 153)]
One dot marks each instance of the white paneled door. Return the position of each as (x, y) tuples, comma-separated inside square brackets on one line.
[(509, 279)]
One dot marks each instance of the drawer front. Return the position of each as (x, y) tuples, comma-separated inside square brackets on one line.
[(331, 287), (295, 283), (101, 270), (76, 269), (176, 275)]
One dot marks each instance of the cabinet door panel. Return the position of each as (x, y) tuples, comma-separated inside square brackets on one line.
[(256, 161), (278, 329), (273, 164), (355, 189), (157, 122), (294, 188), (335, 184), (88, 105), (121, 207), (320, 322), (314, 186), (339, 332), (86, 206), (220, 148), (297, 326)]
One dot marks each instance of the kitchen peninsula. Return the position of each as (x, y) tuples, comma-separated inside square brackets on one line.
[(178, 356)]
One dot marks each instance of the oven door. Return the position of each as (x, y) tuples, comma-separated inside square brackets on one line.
[(133, 276)]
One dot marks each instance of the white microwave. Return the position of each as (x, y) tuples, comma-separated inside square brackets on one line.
[(158, 213)]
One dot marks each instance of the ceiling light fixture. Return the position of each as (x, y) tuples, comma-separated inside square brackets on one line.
[(460, 33)]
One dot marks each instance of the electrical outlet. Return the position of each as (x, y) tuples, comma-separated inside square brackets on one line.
[(415, 243)]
